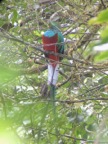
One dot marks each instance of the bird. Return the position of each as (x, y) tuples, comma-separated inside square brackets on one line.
[(53, 41)]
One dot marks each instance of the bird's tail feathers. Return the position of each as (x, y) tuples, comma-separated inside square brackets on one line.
[(52, 92)]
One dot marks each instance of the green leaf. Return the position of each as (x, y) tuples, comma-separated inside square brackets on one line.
[(104, 35), (14, 16), (101, 56), (37, 33), (93, 21), (101, 18)]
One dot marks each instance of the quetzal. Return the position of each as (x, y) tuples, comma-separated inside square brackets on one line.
[(53, 41)]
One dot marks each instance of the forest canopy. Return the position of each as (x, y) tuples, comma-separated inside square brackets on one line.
[(27, 116)]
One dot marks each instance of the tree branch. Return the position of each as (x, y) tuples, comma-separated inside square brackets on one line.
[(103, 4), (80, 101)]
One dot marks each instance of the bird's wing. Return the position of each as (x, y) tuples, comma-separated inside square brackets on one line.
[(60, 43)]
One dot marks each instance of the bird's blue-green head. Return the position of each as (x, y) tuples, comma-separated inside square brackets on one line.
[(54, 25)]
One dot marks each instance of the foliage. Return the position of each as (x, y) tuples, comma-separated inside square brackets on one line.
[(26, 117)]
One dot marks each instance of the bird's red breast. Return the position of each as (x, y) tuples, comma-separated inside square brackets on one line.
[(50, 44)]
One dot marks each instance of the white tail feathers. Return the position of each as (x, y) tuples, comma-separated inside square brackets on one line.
[(53, 74)]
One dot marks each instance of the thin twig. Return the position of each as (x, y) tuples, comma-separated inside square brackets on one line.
[(80, 101), (76, 139)]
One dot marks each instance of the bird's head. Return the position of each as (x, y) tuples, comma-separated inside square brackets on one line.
[(54, 25)]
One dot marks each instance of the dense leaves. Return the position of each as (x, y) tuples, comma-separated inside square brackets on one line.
[(27, 116)]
